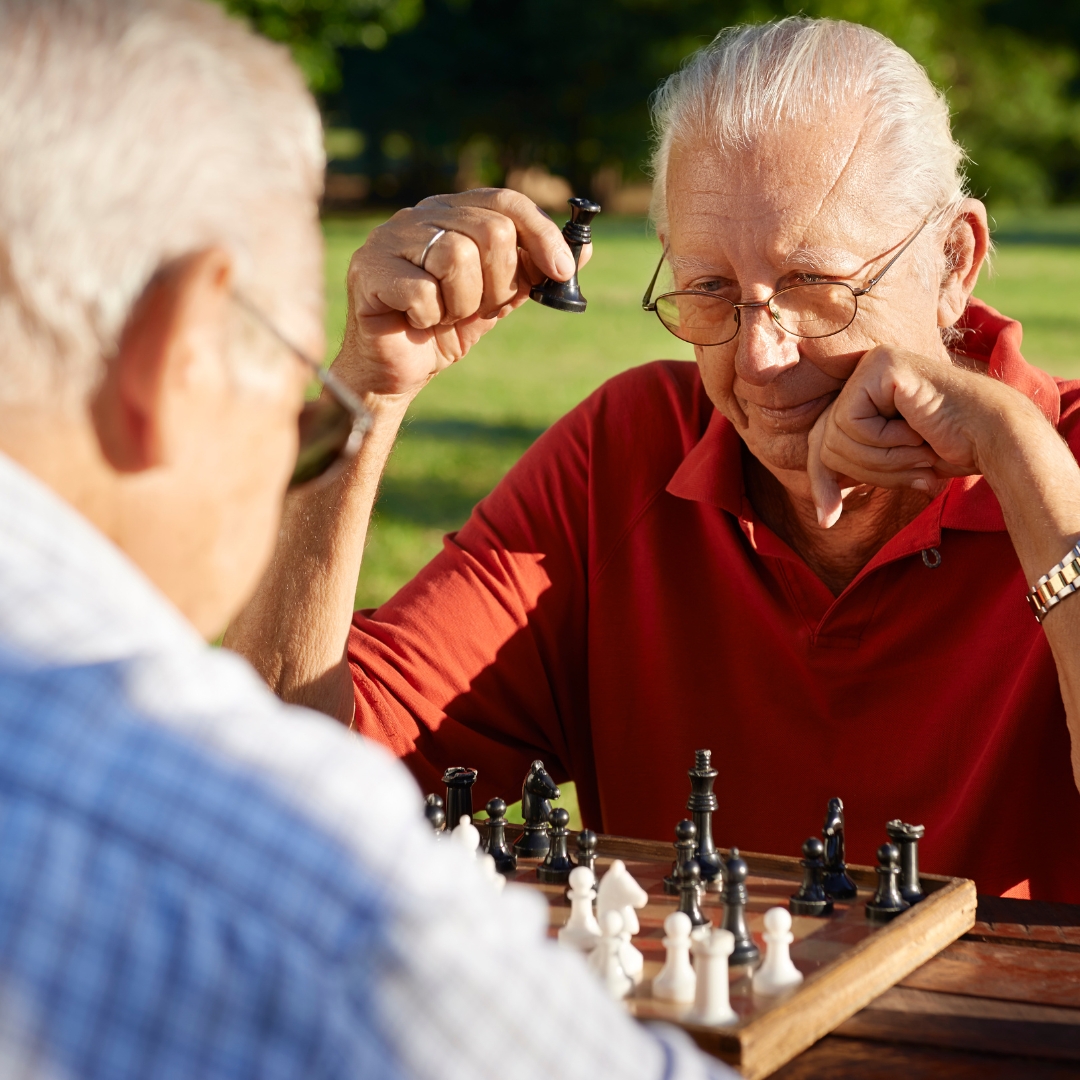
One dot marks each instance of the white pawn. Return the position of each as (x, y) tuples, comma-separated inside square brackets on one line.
[(619, 892), (581, 931), (777, 972), (606, 958), (676, 981), (712, 1002), (466, 834)]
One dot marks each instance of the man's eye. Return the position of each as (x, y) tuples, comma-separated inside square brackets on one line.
[(806, 278), (726, 289)]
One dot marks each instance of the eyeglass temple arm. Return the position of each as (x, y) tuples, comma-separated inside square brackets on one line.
[(325, 377), (885, 269), (646, 300)]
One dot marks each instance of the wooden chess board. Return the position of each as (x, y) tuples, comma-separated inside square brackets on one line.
[(846, 960)]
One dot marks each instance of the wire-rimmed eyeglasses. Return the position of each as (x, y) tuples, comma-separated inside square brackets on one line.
[(332, 427), (813, 309)]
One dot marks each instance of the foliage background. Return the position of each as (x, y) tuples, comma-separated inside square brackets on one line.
[(436, 90)]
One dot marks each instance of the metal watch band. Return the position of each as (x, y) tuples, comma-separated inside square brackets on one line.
[(1055, 585)]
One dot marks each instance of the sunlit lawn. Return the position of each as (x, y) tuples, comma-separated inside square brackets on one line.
[(473, 422)]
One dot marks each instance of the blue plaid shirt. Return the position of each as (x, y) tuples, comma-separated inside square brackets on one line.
[(197, 881)]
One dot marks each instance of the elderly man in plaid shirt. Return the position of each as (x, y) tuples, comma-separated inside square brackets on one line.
[(196, 880)]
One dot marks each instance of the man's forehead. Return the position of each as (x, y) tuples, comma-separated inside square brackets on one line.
[(810, 186)]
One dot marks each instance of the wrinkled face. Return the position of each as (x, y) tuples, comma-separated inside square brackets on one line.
[(797, 205)]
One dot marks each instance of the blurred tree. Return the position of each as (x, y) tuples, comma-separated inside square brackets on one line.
[(317, 30), (452, 91)]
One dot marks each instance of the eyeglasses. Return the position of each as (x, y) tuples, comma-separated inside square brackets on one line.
[(332, 427), (816, 309)]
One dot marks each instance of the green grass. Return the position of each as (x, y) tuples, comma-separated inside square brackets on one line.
[(474, 421)]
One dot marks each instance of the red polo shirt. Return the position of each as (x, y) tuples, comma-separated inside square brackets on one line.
[(616, 603)]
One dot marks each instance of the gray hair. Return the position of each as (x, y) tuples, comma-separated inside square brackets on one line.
[(753, 78), (132, 132)]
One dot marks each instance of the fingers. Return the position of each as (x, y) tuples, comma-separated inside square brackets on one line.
[(481, 250)]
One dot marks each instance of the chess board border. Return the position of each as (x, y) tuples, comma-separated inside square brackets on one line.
[(829, 996)]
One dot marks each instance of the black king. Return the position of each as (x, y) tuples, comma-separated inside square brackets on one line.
[(701, 804)]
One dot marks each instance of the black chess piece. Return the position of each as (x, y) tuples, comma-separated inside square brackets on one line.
[(459, 781), (566, 295), (837, 883), (735, 874), (685, 840), (811, 898), (887, 902), (701, 804), (586, 849), (689, 880), (495, 844), (557, 864), (536, 794), (906, 838), (436, 816)]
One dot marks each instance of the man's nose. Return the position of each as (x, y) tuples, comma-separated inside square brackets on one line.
[(764, 349)]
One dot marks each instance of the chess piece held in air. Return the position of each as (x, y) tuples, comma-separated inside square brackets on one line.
[(566, 295)]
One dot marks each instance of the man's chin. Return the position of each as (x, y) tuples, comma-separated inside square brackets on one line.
[(780, 453)]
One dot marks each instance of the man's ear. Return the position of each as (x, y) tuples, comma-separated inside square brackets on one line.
[(966, 246), (185, 302)]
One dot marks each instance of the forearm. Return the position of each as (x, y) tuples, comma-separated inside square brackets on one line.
[(1037, 482), (295, 628)]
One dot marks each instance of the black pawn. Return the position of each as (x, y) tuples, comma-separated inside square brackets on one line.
[(906, 838), (811, 898), (837, 883), (685, 839), (689, 874), (496, 846), (586, 849), (735, 874), (701, 804), (887, 902), (459, 781), (557, 864), (566, 295), (436, 816)]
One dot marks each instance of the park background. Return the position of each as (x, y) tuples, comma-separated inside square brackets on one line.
[(550, 97)]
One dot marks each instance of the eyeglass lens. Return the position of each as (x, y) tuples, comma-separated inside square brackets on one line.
[(329, 434), (819, 309)]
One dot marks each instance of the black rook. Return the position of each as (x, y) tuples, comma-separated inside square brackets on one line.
[(459, 781), (566, 295)]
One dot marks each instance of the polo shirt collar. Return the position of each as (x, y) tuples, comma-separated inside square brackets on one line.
[(712, 471)]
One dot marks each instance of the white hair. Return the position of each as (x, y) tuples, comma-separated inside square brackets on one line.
[(132, 132), (752, 79)]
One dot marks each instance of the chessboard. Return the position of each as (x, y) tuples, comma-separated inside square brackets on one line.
[(846, 960)]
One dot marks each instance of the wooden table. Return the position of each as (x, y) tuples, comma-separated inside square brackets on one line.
[(1003, 1001)]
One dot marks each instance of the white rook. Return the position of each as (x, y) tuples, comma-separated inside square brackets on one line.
[(712, 1002)]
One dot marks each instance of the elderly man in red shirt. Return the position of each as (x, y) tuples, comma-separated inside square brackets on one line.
[(810, 551)]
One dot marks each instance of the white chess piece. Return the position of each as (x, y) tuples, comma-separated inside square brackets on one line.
[(491, 872), (466, 834), (581, 931), (777, 972), (618, 891), (712, 1002), (606, 958), (676, 981)]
